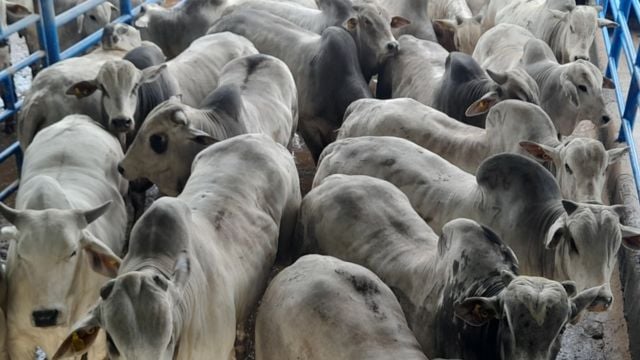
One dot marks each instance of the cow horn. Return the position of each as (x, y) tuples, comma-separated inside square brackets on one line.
[(91, 215), (10, 214)]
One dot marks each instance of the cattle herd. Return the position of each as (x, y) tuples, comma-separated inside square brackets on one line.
[(454, 213)]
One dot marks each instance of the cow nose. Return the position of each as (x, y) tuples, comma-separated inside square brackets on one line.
[(606, 119), (45, 318), (580, 57), (392, 47), (121, 124), (120, 169)]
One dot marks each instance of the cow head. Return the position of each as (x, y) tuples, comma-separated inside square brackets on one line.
[(577, 31), (586, 239), (95, 18), (120, 37), (461, 34), (580, 164), (48, 247), (370, 25), (512, 84), (164, 148), (140, 313), (118, 82), (531, 312)]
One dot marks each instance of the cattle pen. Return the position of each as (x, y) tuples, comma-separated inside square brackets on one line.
[(599, 336)]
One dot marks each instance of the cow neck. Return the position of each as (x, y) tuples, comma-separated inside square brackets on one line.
[(550, 265), (553, 35)]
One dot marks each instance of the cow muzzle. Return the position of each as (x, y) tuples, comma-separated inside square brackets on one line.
[(121, 124), (45, 318), (602, 302), (393, 47)]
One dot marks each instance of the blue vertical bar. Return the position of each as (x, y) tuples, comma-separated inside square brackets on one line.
[(125, 8), (48, 14)]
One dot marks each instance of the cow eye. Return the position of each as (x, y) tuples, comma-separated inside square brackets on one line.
[(566, 166), (73, 254), (367, 22), (582, 88), (92, 17), (158, 143)]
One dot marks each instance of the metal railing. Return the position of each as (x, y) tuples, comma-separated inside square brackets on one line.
[(47, 23), (619, 41)]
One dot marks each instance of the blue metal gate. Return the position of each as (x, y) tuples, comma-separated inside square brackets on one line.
[(46, 24), (617, 41)]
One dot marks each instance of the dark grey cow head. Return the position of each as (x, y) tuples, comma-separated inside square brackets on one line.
[(371, 27), (512, 84), (47, 255), (576, 31), (120, 37), (578, 239), (161, 150), (118, 81), (531, 312)]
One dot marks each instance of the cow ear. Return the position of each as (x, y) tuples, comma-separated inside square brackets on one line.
[(608, 83), (541, 152), (499, 77), (9, 233), (81, 338), (142, 20), (570, 90), (398, 22), (583, 300), (607, 23), (445, 25), (482, 105), (616, 154), (101, 259), (93, 214), (477, 311), (559, 14), (83, 89), (201, 137), (151, 74), (181, 270), (16, 12), (351, 23), (555, 233), (630, 237), (11, 215), (570, 288)]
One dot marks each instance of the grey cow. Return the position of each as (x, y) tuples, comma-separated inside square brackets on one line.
[(452, 83), (257, 94), (568, 29), (571, 92), (193, 75), (460, 292), (515, 196), (325, 68), (323, 308), (198, 263), (368, 23)]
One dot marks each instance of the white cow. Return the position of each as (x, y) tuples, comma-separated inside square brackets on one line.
[(70, 216), (569, 93), (460, 293), (46, 101), (416, 11), (458, 33), (515, 196), (580, 165), (323, 308), (508, 124), (198, 264), (257, 94), (501, 48), (569, 31)]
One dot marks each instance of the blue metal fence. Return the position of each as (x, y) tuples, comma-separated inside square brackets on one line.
[(619, 41), (46, 24)]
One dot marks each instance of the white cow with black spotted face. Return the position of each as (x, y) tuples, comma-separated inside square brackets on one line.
[(70, 218)]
